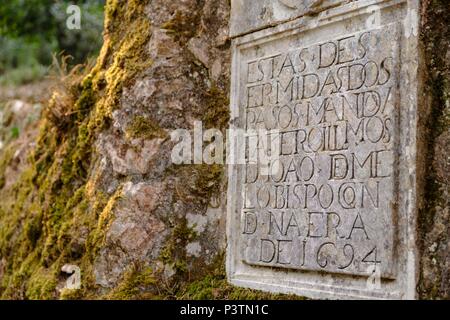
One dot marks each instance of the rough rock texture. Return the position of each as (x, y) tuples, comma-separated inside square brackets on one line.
[(434, 215), (98, 190)]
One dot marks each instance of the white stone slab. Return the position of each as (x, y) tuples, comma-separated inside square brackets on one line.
[(331, 213)]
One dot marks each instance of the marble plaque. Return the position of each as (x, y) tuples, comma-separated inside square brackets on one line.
[(316, 207)]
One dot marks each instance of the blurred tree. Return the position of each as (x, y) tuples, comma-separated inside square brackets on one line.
[(26, 18)]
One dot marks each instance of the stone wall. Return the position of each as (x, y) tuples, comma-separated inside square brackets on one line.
[(435, 158)]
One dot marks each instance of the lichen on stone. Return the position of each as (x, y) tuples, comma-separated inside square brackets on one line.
[(433, 222), (49, 217)]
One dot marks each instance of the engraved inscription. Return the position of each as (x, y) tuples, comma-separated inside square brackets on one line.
[(325, 199)]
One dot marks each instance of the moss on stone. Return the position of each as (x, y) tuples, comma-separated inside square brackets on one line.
[(144, 128), (174, 252), (217, 113), (137, 283), (214, 286), (197, 184), (182, 26), (56, 196), (42, 284), (5, 160)]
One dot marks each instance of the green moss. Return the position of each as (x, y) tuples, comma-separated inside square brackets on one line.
[(217, 114), (143, 283), (144, 128), (42, 284), (174, 252), (57, 196), (41, 215), (33, 229), (197, 184), (216, 287), (182, 26)]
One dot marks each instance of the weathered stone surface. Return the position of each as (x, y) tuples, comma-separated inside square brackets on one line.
[(335, 199), (434, 215), (159, 222)]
